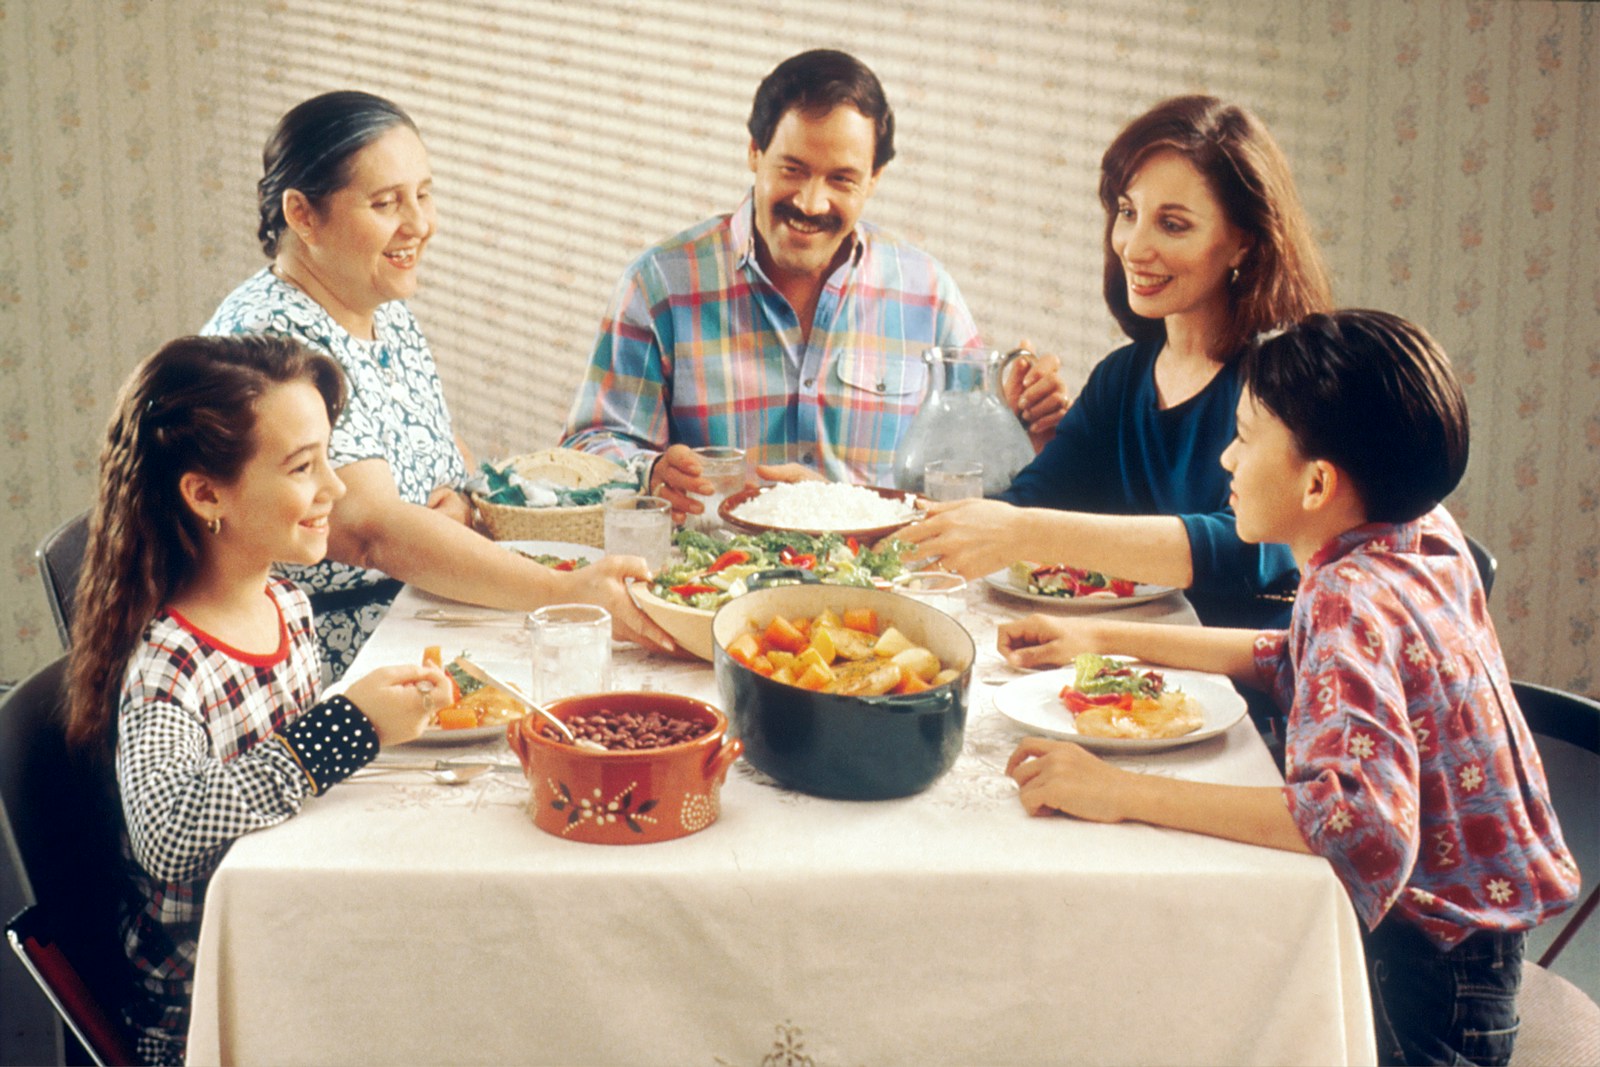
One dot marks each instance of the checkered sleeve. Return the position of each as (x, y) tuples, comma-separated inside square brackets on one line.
[(183, 804)]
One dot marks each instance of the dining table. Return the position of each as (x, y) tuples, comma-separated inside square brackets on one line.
[(399, 920)]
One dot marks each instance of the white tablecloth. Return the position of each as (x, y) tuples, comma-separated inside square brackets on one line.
[(399, 921)]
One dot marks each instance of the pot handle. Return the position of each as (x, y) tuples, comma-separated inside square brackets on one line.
[(718, 762), (777, 575), (518, 743)]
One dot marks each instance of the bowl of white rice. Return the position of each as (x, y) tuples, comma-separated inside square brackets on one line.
[(866, 513)]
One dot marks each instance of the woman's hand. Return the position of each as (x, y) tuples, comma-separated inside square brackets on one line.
[(970, 537), (604, 582), (1041, 641), (1036, 391), (399, 701), (1059, 776), (453, 505)]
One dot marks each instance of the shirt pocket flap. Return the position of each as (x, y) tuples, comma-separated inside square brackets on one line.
[(884, 376)]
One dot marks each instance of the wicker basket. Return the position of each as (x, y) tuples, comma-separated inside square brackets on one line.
[(562, 466)]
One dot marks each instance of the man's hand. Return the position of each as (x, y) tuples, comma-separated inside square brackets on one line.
[(1036, 391), (676, 475), (788, 472)]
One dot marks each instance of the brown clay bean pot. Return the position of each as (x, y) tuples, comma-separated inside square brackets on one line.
[(625, 797)]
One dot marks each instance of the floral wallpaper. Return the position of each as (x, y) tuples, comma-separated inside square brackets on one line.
[(1446, 150)]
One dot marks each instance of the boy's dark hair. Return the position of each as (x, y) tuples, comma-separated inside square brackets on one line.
[(1372, 394), (815, 83)]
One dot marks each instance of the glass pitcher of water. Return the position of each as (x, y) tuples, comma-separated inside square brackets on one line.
[(964, 416)]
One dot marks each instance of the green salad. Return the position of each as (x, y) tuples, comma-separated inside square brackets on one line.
[(714, 569)]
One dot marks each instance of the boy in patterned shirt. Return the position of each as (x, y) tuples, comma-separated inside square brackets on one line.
[(1408, 763)]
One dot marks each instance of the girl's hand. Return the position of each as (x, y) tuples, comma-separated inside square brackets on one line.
[(1040, 641), (604, 582), (400, 701), (1059, 776), (969, 537)]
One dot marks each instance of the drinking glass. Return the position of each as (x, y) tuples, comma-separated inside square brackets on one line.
[(571, 645), (939, 589), (639, 526), (724, 469), (952, 479)]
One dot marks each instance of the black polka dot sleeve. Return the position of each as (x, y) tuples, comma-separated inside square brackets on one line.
[(330, 742)]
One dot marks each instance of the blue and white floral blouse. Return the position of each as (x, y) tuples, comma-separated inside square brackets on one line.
[(395, 412)]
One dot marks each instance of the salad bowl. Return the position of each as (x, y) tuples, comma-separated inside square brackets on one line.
[(685, 596)]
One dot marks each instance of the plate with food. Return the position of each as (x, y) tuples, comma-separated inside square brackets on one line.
[(1113, 704), (557, 555), (477, 712), (1072, 587), (864, 512)]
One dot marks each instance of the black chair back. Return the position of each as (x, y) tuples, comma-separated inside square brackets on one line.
[(1576, 720), (60, 557), (62, 824)]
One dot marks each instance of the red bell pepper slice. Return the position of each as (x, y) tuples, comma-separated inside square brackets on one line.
[(693, 589), (730, 558)]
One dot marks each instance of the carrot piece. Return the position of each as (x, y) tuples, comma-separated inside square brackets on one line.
[(782, 635), (814, 678), (762, 666), (862, 619), (456, 717), (909, 683)]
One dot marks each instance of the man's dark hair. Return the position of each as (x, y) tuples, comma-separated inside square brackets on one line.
[(815, 83), (1372, 394)]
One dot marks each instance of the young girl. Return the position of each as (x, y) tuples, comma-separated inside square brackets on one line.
[(191, 662), (1409, 765)]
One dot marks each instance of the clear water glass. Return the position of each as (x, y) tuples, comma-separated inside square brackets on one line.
[(724, 469), (639, 526), (571, 647), (952, 479), (939, 589)]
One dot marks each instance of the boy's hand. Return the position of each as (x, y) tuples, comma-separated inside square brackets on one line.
[(1041, 641), (1059, 776)]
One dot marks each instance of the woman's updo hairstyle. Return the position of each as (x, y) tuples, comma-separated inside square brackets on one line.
[(310, 150)]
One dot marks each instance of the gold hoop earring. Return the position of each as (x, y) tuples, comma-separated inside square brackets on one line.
[(1233, 278), (215, 525)]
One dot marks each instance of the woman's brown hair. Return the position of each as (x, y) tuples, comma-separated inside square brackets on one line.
[(190, 406), (1282, 278)]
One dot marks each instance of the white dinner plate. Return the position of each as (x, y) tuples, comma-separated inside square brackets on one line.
[(1142, 594), (511, 672), (564, 549), (1034, 703)]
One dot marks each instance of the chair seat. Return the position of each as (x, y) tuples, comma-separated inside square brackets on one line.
[(1560, 1024)]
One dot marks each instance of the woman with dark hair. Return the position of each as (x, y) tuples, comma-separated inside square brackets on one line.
[(1206, 245), (198, 668), (346, 206)]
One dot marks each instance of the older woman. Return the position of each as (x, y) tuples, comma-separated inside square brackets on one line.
[(1206, 245), (346, 203)]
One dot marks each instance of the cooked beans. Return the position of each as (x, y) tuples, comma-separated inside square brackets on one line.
[(630, 730)]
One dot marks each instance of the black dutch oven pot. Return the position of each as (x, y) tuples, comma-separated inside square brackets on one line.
[(855, 748)]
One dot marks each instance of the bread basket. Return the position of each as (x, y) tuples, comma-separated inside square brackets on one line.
[(561, 466)]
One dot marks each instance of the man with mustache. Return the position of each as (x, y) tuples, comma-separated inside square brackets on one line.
[(790, 328)]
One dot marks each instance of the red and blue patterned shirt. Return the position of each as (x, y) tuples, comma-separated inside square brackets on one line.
[(700, 348), (1409, 765)]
